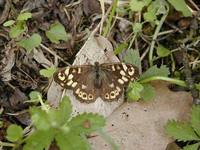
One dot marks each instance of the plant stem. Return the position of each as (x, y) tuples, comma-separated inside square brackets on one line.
[(172, 80), (106, 29), (6, 144), (155, 36)]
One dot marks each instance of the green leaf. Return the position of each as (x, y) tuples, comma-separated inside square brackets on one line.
[(195, 119), (155, 71), (133, 57), (56, 33), (198, 86), (71, 141), (48, 72), (192, 147), (86, 123), (148, 92), (58, 117), (31, 43), (138, 5), (120, 48), (8, 23), (65, 108), (40, 119), (150, 16), (17, 29), (24, 16), (134, 90), (35, 96), (162, 51), (137, 27), (39, 140), (181, 131), (181, 6), (14, 133)]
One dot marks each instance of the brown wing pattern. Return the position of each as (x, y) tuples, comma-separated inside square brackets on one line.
[(80, 79), (113, 76), (116, 76)]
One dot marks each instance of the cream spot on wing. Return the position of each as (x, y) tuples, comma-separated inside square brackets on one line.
[(90, 96), (122, 73), (124, 78), (124, 66), (116, 92), (79, 70), (118, 88), (70, 77), (67, 71), (120, 81), (80, 94), (77, 91), (69, 82), (111, 85), (74, 71), (83, 86), (74, 84), (62, 84), (131, 71), (61, 76), (107, 96), (84, 96), (113, 68), (112, 94)]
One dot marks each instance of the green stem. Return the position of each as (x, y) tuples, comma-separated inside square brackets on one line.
[(6, 144), (106, 29), (175, 81), (155, 37)]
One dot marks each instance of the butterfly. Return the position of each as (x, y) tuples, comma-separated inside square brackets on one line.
[(89, 82)]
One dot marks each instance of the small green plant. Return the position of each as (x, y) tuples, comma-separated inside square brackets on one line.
[(18, 29), (54, 125), (186, 131)]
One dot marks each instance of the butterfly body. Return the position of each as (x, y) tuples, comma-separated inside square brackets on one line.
[(89, 82)]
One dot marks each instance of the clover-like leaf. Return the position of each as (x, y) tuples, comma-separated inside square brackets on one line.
[(71, 141), (86, 123), (40, 119), (155, 71), (24, 16), (192, 147), (14, 133), (134, 90), (31, 43), (148, 92), (133, 57), (181, 131), (181, 6), (162, 51), (39, 140), (59, 116), (195, 119), (56, 33), (8, 23), (48, 72)]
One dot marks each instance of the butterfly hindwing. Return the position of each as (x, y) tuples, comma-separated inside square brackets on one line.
[(118, 75)]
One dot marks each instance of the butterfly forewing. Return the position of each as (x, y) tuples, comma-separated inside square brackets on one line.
[(80, 80), (112, 78)]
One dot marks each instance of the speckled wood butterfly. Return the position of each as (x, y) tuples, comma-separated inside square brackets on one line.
[(89, 82)]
